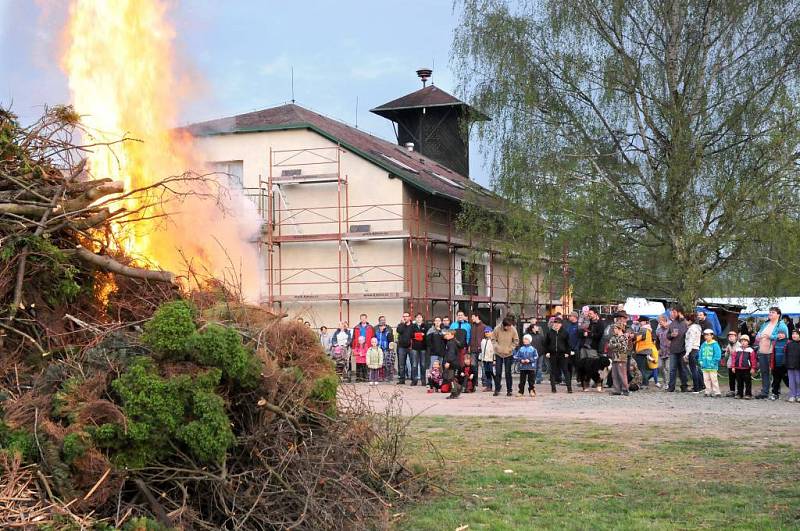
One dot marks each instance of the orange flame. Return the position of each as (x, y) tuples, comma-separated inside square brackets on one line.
[(119, 66), (119, 61)]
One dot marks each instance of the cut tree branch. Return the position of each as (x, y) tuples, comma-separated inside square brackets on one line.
[(107, 263)]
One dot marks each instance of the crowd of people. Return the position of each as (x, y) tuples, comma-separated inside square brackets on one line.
[(676, 351)]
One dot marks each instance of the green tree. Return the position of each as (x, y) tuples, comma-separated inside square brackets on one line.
[(658, 138)]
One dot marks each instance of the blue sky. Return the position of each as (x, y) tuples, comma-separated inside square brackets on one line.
[(244, 51)]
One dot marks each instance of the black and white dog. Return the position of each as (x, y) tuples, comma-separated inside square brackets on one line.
[(588, 369)]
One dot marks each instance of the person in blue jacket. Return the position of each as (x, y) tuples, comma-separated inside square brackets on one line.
[(708, 358), (527, 357)]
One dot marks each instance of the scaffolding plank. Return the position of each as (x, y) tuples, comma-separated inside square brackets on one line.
[(307, 179), (350, 236), (344, 296), (376, 235), (452, 240)]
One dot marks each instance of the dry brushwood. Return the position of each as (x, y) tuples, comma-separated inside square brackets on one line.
[(58, 224), (290, 450)]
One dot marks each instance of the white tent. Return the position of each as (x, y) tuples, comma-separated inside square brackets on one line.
[(639, 306), (759, 306)]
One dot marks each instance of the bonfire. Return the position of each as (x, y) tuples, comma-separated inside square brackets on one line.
[(128, 395)]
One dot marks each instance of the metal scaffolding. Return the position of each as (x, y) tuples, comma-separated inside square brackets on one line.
[(427, 273)]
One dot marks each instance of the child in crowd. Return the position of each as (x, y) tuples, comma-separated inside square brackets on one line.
[(708, 358), (744, 366), (652, 368), (645, 351), (618, 354), (466, 373), (388, 362), (732, 346), (435, 377), (452, 364), (360, 356), (527, 356), (374, 361), (793, 366), (487, 358)]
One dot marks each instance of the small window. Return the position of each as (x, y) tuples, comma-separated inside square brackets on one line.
[(451, 182), (397, 162), (234, 170)]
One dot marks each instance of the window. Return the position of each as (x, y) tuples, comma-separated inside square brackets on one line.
[(451, 182), (234, 170), (397, 162), (471, 275)]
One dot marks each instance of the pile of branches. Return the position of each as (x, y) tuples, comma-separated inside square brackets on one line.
[(127, 401), (57, 246)]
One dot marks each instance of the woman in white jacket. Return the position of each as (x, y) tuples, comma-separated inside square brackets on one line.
[(694, 335)]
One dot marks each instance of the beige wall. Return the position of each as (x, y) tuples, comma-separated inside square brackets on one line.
[(311, 268)]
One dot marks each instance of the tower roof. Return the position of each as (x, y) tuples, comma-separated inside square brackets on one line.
[(430, 96)]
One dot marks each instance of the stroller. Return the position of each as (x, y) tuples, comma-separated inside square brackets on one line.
[(341, 357)]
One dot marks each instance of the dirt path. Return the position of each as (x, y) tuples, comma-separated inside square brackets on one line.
[(717, 416)]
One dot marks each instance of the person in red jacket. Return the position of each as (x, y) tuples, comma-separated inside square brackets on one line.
[(744, 366), (363, 329)]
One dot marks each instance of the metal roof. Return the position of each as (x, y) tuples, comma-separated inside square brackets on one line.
[(412, 167)]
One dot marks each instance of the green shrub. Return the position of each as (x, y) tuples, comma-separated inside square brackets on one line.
[(74, 446), (170, 330), (324, 393), (18, 442), (107, 435), (160, 411), (209, 436), (221, 347)]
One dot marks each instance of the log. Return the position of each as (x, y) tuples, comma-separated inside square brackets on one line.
[(107, 263), (92, 221), (25, 210), (93, 194)]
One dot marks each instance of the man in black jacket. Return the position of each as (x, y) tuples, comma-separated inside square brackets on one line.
[(538, 342), (434, 341), (557, 349), (594, 334), (677, 350), (404, 350)]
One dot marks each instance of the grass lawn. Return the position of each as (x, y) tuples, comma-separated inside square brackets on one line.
[(586, 476)]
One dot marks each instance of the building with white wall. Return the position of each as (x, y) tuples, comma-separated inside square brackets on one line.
[(357, 224)]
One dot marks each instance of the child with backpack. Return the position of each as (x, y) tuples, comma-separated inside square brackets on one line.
[(527, 357), (708, 358), (374, 361), (744, 366)]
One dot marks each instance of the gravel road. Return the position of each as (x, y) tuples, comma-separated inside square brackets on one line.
[(717, 416)]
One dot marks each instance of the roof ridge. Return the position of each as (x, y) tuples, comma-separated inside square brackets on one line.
[(416, 168)]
